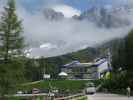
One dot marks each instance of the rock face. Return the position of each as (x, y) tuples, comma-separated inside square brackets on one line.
[(102, 17), (52, 15), (108, 18), (114, 17)]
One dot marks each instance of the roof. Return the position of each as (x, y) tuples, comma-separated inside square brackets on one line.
[(84, 64), (63, 74), (71, 63), (100, 61), (76, 63)]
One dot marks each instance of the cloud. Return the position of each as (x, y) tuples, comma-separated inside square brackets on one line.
[(66, 10), (2, 4), (112, 2), (47, 46), (51, 38), (127, 2)]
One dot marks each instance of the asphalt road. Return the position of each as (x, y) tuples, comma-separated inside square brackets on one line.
[(103, 96)]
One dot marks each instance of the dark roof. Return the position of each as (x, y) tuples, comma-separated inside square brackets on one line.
[(71, 64)]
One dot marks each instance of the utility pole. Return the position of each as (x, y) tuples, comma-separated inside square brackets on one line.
[(109, 59)]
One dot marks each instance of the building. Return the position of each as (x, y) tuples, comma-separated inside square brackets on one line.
[(102, 68), (91, 70)]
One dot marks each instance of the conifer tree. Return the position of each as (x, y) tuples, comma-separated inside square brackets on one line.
[(10, 32), (11, 45)]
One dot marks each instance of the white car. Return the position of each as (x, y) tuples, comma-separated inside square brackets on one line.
[(90, 89), (19, 92)]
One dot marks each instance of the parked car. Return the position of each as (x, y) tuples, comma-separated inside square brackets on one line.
[(19, 92), (35, 91), (44, 90), (90, 88)]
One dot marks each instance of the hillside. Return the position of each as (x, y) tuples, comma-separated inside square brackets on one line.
[(84, 55), (35, 67), (52, 65)]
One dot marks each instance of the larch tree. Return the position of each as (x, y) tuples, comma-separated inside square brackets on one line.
[(10, 32), (11, 46)]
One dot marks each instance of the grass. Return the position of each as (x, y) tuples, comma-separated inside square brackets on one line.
[(14, 98), (74, 86), (71, 85), (82, 98)]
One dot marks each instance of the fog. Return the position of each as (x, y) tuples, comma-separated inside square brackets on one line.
[(66, 35), (51, 38)]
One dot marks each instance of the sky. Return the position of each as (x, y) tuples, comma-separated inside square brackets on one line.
[(46, 38), (79, 4)]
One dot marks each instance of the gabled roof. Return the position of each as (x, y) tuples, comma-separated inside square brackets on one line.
[(71, 64), (100, 61), (76, 63)]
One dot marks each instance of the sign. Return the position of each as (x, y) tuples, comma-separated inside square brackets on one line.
[(46, 76)]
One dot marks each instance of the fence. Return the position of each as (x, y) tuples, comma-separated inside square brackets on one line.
[(71, 97), (49, 97)]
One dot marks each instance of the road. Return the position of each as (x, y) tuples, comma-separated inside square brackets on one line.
[(103, 96)]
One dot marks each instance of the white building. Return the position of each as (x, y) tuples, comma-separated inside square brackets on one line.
[(91, 70)]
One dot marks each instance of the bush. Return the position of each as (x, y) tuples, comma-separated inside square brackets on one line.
[(117, 84)]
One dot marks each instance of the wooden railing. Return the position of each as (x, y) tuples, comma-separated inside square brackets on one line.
[(44, 96), (70, 97)]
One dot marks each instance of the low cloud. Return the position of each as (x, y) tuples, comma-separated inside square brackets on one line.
[(67, 10), (51, 38), (2, 4), (66, 35)]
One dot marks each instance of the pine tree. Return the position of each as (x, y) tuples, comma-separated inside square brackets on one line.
[(10, 32), (129, 54), (123, 61), (11, 45)]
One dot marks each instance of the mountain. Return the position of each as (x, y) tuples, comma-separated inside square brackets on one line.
[(106, 17), (102, 17), (53, 65), (85, 55), (52, 15), (90, 53), (113, 17)]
